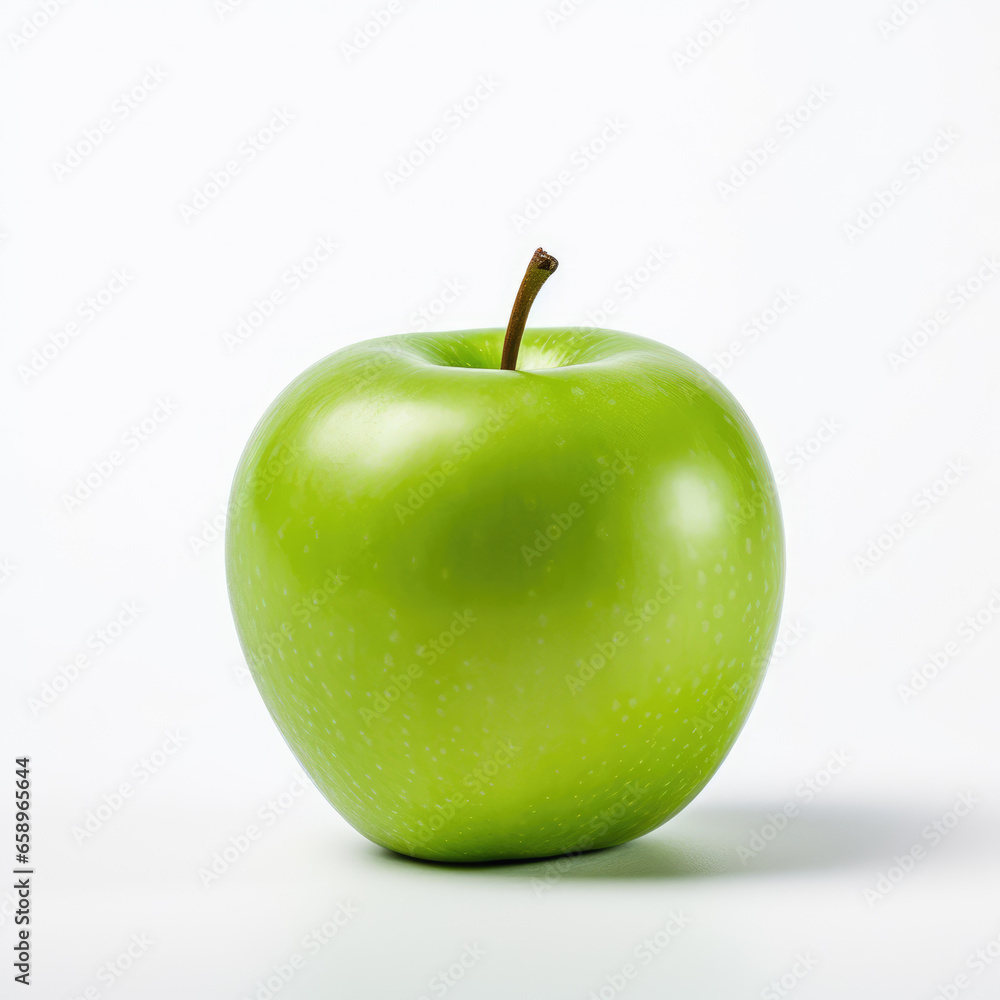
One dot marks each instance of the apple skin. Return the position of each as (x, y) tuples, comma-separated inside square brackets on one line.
[(457, 688)]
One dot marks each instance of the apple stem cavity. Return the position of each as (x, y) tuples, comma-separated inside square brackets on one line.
[(541, 266)]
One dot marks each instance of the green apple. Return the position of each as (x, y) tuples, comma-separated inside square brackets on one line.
[(504, 612)]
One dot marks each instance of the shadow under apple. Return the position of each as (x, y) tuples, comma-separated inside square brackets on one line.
[(714, 841)]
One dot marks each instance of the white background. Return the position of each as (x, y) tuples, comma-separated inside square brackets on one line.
[(853, 633)]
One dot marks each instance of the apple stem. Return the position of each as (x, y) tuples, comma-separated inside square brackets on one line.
[(541, 266)]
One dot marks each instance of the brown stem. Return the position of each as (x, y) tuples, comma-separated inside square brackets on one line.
[(541, 266)]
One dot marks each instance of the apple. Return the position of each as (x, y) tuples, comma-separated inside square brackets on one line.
[(506, 595)]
